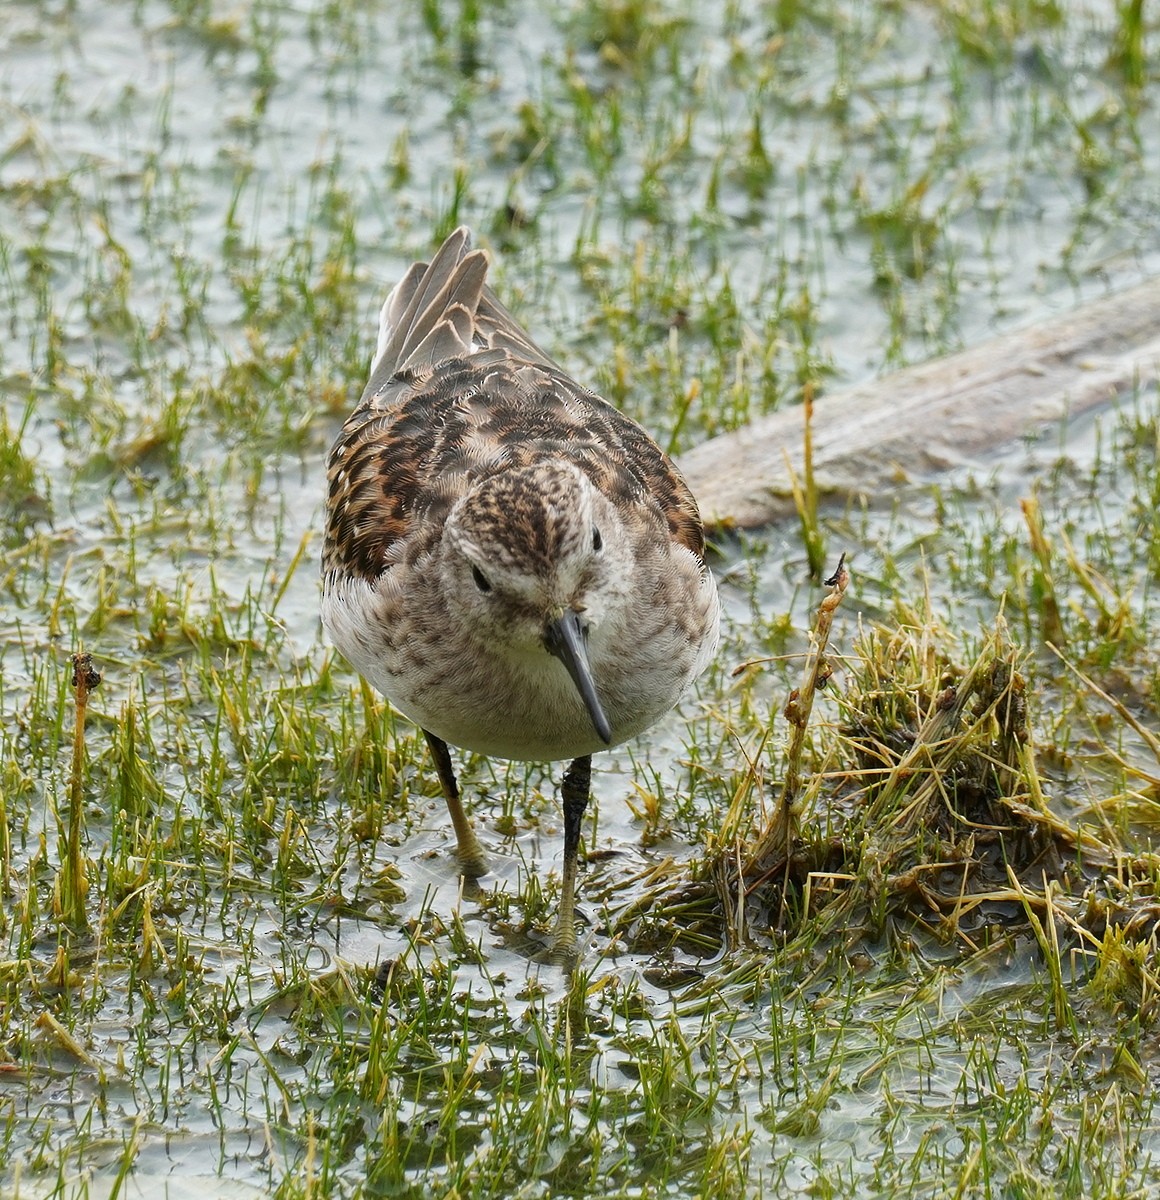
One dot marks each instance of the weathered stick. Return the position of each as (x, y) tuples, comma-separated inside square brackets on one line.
[(776, 840), (926, 419)]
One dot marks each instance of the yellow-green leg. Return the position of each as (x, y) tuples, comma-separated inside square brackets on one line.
[(472, 861)]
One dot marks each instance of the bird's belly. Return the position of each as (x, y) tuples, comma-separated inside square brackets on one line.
[(520, 706), (531, 712), (534, 720), (523, 707)]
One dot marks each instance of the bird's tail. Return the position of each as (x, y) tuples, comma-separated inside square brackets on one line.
[(444, 309)]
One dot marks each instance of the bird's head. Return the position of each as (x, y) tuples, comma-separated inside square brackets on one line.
[(535, 558)]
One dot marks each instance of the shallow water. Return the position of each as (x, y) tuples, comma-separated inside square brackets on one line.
[(200, 211)]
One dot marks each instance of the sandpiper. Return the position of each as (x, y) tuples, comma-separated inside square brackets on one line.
[(516, 565)]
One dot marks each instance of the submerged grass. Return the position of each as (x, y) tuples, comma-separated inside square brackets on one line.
[(232, 940)]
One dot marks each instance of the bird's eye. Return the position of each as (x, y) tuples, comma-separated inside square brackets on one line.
[(597, 541), (480, 580)]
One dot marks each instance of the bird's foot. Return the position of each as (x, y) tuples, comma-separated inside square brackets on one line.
[(471, 857)]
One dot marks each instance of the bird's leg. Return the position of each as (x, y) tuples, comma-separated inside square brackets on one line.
[(472, 861), (574, 792)]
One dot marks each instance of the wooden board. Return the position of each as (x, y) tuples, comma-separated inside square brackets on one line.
[(909, 426)]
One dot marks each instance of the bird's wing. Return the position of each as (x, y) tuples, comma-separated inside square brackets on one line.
[(458, 389)]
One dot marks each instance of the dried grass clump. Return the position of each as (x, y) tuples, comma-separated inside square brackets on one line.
[(933, 801), (928, 816)]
